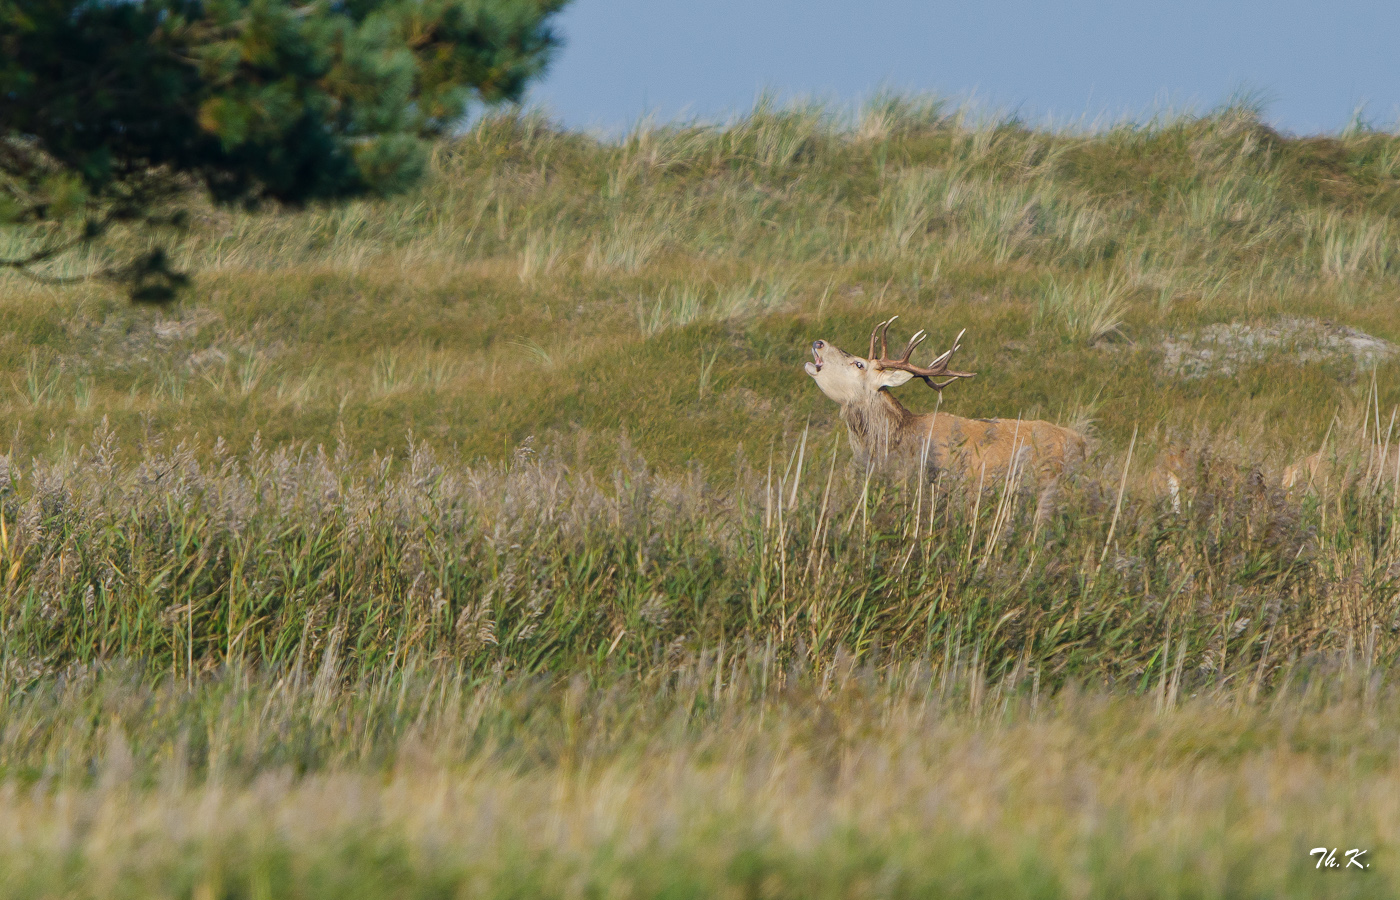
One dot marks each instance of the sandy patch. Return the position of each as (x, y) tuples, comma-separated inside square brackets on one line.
[(1224, 349)]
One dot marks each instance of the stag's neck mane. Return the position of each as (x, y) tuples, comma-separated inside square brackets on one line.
[(877, 425)]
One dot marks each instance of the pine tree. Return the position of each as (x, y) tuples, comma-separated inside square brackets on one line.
[(115, 110)]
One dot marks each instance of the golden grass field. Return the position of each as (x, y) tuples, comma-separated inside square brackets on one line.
[(491, 541)]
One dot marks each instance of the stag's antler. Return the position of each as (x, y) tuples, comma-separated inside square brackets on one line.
[(936, 369)]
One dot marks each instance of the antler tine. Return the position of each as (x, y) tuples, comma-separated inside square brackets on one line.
[(914, 341), (882, 329), (943, 359), (875, 331)]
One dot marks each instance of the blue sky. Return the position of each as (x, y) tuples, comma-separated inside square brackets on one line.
[(1313, 63)]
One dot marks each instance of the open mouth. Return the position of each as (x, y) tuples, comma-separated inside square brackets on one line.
[(814, 367)]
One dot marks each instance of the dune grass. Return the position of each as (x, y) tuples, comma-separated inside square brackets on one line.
[(300, 559), (490, 540)]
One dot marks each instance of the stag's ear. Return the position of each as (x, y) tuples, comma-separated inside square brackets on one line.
[(893, 377)]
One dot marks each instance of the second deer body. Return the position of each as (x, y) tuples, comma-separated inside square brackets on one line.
[(884, 434)]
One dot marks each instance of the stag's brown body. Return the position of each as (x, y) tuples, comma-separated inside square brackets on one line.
[(1340, 469), (884, 434)]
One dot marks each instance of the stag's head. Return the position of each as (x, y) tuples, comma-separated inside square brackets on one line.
[(852, 379)]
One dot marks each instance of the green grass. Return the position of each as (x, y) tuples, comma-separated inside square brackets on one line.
[(491, 541), (283, 558)]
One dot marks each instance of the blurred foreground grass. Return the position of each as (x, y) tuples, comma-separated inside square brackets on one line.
[(725, 776)]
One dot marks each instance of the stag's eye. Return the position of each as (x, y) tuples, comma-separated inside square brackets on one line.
[(860, 365)]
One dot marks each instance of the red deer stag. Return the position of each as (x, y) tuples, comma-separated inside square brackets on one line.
[(884, 433)]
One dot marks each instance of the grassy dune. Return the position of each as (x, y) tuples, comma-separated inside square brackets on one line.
[(490, 541), (543, 284)]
